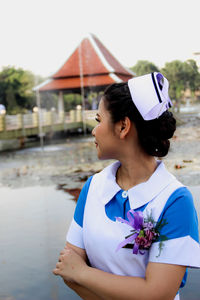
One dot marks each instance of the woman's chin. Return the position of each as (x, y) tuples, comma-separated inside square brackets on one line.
[(102, 156)]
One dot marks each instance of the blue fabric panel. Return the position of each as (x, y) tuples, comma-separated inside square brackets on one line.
[(119, 206), (80, 206), (184, 279), (180, 214)]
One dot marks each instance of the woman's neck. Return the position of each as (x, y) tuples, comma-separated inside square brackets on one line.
[(135, 171)]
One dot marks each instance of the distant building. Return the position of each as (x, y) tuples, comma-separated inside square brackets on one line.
[(90, 68)]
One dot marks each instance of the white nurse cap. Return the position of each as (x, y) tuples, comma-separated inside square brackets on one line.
[(150, 95)]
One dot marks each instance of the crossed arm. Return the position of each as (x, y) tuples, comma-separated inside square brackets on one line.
[(82, 291), (161, 282)]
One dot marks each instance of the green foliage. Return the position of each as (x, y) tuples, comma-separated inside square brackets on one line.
[(143, 67), (174, 72), (49, 100), (161, 238), (181, 75), (192, 76), (71, 101), (16, 89)]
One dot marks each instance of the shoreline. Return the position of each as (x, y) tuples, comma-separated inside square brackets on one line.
[(72, 161)]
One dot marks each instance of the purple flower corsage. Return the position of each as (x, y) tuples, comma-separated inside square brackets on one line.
[(144, 232)]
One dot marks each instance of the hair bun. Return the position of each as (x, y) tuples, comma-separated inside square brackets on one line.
[(166, 125), (154, 135)]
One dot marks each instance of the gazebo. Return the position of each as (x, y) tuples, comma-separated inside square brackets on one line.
[(91, 67)]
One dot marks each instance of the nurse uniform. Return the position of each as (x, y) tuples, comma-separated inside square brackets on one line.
[(95, 229)]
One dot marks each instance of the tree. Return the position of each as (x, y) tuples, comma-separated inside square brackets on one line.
[(181, 75), (143, 67), (174, 72), (192, 76), (16, 89), (71, 101)]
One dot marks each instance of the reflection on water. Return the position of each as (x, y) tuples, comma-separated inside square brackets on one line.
[(33, 225)]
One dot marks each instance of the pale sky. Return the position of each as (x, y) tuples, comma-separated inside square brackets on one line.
[(40, 35)]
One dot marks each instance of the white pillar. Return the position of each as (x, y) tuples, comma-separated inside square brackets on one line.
[(60, 102)]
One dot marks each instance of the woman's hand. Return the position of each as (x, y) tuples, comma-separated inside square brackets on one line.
[(70, 265)]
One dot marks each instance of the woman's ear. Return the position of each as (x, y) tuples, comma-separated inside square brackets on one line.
[(124, 126)]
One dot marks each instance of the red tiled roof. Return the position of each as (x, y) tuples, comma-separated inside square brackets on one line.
[(99, 67), (75, 83), (115, 64), (91, 64)]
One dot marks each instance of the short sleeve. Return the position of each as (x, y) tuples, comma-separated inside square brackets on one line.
[(75, 232), (181, 246)]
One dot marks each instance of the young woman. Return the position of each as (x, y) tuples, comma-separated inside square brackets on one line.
[(135, 228)]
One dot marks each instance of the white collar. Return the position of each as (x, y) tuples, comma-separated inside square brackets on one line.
[(139, 194)]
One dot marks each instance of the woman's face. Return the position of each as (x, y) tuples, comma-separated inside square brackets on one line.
[(104, 134)]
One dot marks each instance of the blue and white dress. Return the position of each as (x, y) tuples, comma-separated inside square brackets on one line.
[(94, 227)]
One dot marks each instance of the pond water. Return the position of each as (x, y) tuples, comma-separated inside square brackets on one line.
[(33, 225), (34, 218)]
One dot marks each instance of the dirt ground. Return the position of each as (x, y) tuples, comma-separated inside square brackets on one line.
[(183, 159)]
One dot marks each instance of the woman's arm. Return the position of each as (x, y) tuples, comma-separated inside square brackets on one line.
[(161, 282), (83, 292)]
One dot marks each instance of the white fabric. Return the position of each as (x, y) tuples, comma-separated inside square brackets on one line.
[(183, 251), (177, 297), (75, 235), (101, 235), (156, 206), (146, 93), (139, 194)]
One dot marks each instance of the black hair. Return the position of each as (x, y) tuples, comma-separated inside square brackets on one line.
[(153, 135)]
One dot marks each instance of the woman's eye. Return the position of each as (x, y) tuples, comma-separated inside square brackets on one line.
[(96, 119)]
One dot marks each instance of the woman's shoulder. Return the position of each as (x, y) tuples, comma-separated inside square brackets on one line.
[(180, 212), (181, 198)]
